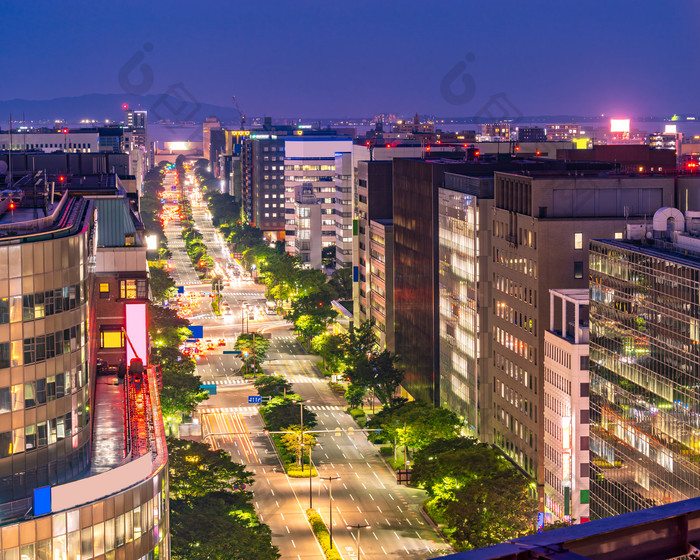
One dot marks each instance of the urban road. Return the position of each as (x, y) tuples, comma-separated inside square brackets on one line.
[(365, 494)]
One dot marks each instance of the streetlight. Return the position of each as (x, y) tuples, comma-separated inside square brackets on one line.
[(330, 480), (310, 445), (301, 435), (358, 527)]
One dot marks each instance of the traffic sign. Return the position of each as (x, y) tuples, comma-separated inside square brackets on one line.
[(180, 289), (209, 388), (254, 399), (197, 331), (234, 352)]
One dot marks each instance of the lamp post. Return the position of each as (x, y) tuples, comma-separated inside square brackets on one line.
[(358, 527), (310, 445), (301, 435), (330, 480)]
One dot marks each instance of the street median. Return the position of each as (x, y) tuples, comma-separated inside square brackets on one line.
[(322, 536)]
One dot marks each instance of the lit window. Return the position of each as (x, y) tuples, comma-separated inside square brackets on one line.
[(104, 290), (133, 289), (578, 241), (618, 235), (112, 339)]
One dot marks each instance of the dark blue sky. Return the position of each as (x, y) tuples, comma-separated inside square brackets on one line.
[(356, 57)]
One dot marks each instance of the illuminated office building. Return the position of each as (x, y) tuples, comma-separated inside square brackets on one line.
[(645, 365)]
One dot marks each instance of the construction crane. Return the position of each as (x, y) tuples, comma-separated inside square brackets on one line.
[(235, 103)]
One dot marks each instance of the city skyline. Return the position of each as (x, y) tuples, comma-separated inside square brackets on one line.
[(298, 59)]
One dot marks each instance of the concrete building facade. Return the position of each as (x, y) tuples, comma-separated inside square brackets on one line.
[(566, 407), (542, 224)]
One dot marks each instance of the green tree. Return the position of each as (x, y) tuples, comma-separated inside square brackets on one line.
[(354, 394), (491, 510), (480, 496), (162, 285), (297, 442), (309, 326), (254, 348), (196, 470), (218, 526), (341, 282), (328, 255), (272, 386), (279, 413), (385, 376), (329, 347)]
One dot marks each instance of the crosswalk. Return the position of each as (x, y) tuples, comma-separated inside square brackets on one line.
[(254, 409), (241, 381), (229, 409)]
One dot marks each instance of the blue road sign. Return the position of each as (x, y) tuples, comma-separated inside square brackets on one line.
[(234, 352), (211, 389), (254, 399), (197, 331), (180, 289)]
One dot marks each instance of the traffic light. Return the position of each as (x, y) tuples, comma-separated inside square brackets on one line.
[(12, 206), (61, 179)]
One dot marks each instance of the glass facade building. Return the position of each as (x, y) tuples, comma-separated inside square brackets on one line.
[(458, 224), (645, 376)]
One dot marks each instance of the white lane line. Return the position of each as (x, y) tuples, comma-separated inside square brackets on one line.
[(397, 536), (380, 509), (293, 544), (286, 527), (370, 495)]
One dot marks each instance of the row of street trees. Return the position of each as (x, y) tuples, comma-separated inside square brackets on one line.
[(211, 512), (475, 493)]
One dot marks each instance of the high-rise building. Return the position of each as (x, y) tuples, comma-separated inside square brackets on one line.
[(73, 483), (307, 227), (373, 203), (268, 199), (566, 388), (311, 160), (645, 364), (542, 224), (137, 122), (464, 214), (209, 124), (343, 208)]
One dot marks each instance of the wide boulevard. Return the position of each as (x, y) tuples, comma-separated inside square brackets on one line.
[(366, 492)]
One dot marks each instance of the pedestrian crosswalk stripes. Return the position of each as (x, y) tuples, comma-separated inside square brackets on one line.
[(316, 408), (252, 409), (241, 381), (230, 409)]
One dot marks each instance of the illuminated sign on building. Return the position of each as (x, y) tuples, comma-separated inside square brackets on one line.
[(619, 125), (136, 331)]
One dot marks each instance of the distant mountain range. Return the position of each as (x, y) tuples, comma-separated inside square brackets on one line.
[(178, 107)]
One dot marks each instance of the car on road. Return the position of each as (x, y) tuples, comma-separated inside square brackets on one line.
[(210, 344), (222, 342)]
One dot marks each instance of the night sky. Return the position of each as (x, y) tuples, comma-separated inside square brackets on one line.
[(357, 58)]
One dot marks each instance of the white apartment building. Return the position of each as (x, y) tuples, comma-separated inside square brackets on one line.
[(51, 141), (343, 208), (311, 161), (566, 407)]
